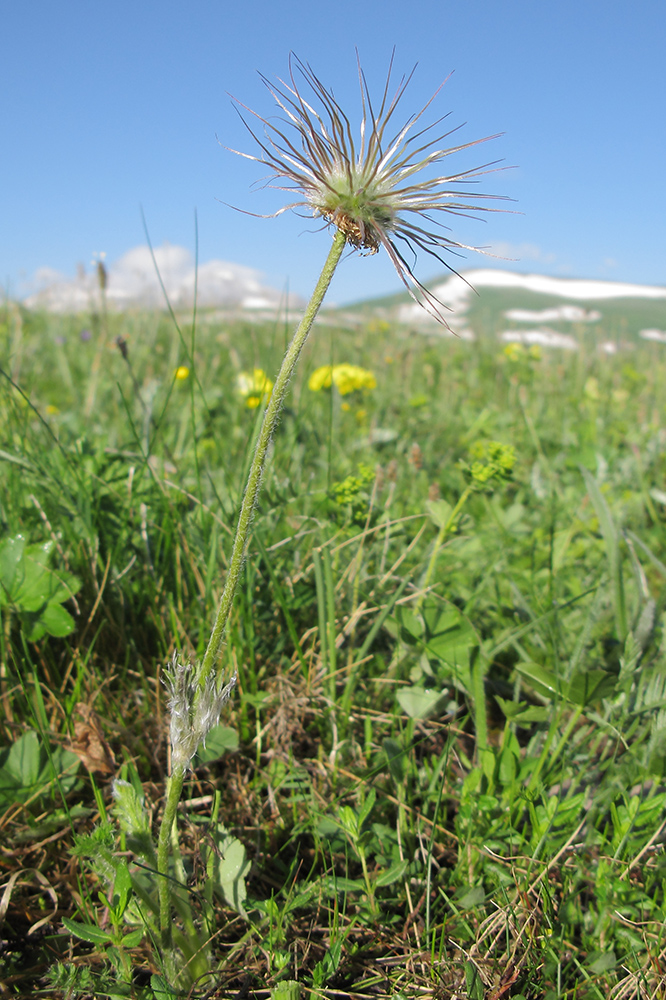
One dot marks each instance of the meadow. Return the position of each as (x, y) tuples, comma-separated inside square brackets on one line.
[(442, 773)]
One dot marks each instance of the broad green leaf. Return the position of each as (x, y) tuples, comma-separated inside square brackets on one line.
[(11, 789), (23, 760), (61, 586), (42, 585), (122, 889), (395, 758), (543, 680), (328, 827), (419, 703), (231, 869), (602, 962), (510, 708), (439, 512), (40, 551), (87, 932), (411, 626), (589, 686), (508, 766), (367, 807), (56, 620), (11, 556), (65, 763), (134, 938), (25, 768), (33, 590), (488, 761), (535, 713), (392, 874), (349, 821), (289, 989), (471, 897), (452, 645), (335, 885), (36, 587), (219, 740)]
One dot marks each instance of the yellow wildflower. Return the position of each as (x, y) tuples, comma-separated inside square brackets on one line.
[(346, 378), (321, 378), (182, 373), (255, 387), (514, 351)]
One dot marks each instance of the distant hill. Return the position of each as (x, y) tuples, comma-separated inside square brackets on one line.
[(533, 308)]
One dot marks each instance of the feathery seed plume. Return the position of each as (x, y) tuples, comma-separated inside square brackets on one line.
[(367, 187)]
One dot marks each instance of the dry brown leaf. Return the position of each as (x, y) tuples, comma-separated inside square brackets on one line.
[(89, 743)]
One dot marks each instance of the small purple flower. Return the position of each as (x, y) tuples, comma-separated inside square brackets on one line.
[(85, 335)]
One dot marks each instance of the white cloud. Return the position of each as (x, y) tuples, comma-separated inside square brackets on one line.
[(132, 282)]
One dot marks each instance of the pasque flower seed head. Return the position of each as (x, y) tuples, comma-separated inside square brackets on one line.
[(368, 188)]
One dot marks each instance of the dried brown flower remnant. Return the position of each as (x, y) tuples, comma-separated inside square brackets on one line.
[(416, 456)]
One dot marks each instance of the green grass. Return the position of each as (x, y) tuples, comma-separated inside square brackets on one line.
[(447, 751)]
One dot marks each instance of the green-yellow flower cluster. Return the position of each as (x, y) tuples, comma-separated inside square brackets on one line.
[(346, 378), (346, 492), (516, 352), (255, 386), (491, 460)]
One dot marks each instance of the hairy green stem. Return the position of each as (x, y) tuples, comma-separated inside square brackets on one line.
[(253, 486), (173, 792), (174, 786)]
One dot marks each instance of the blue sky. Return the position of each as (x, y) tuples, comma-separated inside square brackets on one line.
[(108, 107)]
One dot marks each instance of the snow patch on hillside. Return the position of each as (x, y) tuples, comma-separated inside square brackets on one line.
[(567, 314), (456, 294), (457, 290), (564, 288), (658, 335), (544, 338)]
